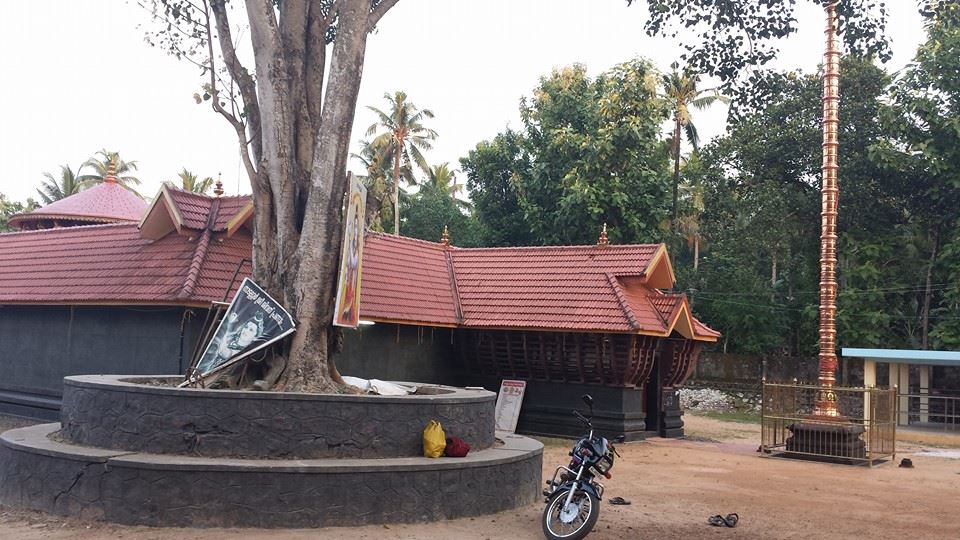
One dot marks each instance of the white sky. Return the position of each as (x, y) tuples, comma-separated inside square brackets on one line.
[(76, 76)]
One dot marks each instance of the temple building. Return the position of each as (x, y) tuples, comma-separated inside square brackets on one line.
[(97, 283)]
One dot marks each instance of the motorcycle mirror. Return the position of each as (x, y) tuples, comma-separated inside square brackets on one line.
[(588, 399)]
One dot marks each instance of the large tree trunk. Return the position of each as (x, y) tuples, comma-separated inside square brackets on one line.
[(676, 171), (300, 145), (696, 251), (928, 291), (396, 189)]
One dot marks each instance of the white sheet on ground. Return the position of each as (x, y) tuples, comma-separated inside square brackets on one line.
[(378, 387)]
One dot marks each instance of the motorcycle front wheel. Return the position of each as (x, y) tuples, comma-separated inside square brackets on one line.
[(573, 521)]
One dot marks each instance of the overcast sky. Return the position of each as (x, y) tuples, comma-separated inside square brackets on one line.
[(78, 77)]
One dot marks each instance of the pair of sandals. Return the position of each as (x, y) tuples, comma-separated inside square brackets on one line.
[(730, 520)]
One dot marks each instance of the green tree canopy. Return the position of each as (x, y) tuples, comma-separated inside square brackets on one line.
[(922, 157), (759, 280), (590, 153), (9, 208), (427, 212), (492, 170), (736, 38)]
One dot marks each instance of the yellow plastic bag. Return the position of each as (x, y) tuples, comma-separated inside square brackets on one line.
[(434, 440)]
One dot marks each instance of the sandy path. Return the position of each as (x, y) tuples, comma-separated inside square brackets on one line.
[(674, 486)]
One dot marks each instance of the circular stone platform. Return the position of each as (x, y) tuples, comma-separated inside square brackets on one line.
[(125, 413), (180, 491), (62, 472)]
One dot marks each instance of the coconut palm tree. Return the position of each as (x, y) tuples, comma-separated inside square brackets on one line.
[(680, 89), (379, 182), (403, 138), (53, 189), (189, 182), (689, 224), (102, 164), (444, 179)]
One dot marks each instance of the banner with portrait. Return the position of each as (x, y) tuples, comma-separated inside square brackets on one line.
[(253, 321), (347, 309)]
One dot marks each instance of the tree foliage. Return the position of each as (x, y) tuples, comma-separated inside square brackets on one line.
[(191, 182), (493, 169), (735, 39), (101, 163), (590, 153), (69, 183), (9, 208), (758, 281), (430, 210)]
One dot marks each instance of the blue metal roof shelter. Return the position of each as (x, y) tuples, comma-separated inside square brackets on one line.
[(898, 364), (905, 356)]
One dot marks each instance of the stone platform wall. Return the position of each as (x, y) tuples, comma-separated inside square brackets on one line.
[(162, 456), (115, 412), (179, 491)]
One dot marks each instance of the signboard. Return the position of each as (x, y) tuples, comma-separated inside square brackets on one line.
[(508, 404), (253, 321), (347, 309)]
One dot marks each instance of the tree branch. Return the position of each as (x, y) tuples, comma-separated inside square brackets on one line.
[(238, 126), (248, 87), (378, 13)]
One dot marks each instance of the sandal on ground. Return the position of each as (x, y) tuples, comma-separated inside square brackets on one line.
[(720, 521), (619, 500)]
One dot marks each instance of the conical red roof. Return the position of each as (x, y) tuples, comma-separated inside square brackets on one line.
[(108, 202)]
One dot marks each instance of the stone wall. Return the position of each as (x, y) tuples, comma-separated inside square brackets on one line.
[(40, 345), (401, 352), (744, 371), (40, 473), (114, 412)]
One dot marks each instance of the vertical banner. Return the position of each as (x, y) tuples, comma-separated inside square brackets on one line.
[(347, 309), (253, 321)]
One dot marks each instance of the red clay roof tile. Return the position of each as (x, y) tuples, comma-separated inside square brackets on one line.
[(108, 202), (406, 280), (573, 288)]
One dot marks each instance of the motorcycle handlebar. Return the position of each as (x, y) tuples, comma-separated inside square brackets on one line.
[(582, 418)]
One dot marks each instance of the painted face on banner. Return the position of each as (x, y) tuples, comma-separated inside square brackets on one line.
[(247, 334)]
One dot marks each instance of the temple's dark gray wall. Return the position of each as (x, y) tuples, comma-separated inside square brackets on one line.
[(40, 345), (400, 352)]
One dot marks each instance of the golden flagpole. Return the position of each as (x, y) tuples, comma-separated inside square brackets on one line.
[(826, 402)]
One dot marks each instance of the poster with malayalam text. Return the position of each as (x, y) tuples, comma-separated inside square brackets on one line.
[(509, 401), (253, 321)]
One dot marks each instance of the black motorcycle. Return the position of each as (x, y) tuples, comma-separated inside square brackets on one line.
[(574, 494)]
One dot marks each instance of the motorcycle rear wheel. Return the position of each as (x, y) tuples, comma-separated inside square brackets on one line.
[(587, 508)]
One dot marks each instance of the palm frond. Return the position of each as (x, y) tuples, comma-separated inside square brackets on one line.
[(692, 136)]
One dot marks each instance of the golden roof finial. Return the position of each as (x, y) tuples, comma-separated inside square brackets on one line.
[(218, 188), (602, 242), (445, 239), (111, 170)]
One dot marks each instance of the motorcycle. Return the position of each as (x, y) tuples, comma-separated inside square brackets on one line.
[(573, 494)]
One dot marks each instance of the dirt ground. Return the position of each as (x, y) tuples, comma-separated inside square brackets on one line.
[(674, 486)]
